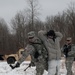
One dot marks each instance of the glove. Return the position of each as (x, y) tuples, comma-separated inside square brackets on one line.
[(30, 65)]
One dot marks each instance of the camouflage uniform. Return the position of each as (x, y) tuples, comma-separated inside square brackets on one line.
[(38, 54), (69, 52)]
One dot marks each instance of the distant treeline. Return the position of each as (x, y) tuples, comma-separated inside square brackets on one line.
[(14, 36)]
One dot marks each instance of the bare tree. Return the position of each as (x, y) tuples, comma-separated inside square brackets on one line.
[(64, 22), (33, 11), (4, 34), (71, 20), (18, 25)]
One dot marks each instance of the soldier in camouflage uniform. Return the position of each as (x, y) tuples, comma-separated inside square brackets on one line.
[(69, 52), (38, 53)]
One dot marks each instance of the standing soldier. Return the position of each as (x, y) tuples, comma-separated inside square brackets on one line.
[(37, 51), (69, 52)]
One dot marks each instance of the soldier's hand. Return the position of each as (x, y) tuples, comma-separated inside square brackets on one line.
[(30, 65)]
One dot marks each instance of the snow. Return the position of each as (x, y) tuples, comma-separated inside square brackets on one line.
[(6, 70)]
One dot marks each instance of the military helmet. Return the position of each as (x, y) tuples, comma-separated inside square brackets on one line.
[(69, 38), (31, 34)]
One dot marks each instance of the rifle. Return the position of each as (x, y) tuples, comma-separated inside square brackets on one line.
[(27, 67), (24, 69)]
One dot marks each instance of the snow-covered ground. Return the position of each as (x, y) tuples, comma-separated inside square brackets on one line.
[(6, 70)]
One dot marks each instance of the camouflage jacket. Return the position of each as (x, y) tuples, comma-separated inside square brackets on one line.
[(69, 51), (36, 50)]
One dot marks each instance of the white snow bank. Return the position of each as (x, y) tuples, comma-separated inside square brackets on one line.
[(6, 70)]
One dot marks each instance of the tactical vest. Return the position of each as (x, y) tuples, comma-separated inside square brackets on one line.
[(66, 50), (40, 51)]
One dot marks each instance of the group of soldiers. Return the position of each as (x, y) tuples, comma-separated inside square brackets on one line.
[(45, 52)]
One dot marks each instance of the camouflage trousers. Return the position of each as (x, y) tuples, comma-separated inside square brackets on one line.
[(40, 67), (69, 62)]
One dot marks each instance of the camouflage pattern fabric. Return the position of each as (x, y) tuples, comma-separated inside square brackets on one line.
[(38, 56), (70, 51), (42, 55), (69, 62)]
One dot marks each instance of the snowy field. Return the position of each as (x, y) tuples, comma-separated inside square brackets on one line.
[(6, 70)]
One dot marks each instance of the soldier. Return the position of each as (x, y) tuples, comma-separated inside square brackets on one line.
[(37, 51), (69, 52)]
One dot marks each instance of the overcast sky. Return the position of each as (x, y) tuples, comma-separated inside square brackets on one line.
[(9, 8)]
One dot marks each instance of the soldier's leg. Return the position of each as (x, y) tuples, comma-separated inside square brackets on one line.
[(46, 65), (69, 67), (39, 69)]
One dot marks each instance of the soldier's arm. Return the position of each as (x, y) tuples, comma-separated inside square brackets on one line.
[(72, 52), (58, 35), (26, 52)]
